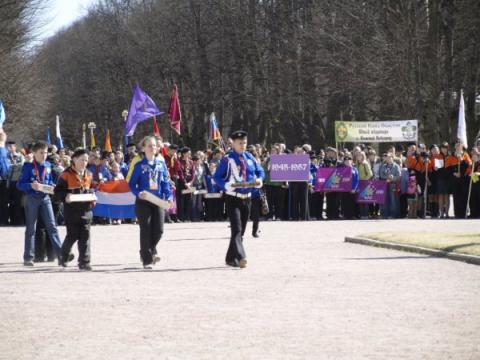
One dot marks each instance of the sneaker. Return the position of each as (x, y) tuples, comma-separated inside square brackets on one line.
[(28, 263), (85, 267), (148, 266), (156, 259), (242, 263)]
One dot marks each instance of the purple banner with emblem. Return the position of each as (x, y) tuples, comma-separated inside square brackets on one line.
[(371, 192), (334, 179), (295, 167)]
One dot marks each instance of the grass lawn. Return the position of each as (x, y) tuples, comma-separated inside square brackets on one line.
[(463, 243)]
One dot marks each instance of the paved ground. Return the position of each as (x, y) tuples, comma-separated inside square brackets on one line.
[(305, 294)]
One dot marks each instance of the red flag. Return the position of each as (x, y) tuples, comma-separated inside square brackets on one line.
[(174, 110), (156, 130), (108, 146)]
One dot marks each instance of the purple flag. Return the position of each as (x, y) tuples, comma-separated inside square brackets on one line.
[(334, 179), (371, 192), (141, 109)]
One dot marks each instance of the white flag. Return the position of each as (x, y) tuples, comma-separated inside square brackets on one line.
[(462, 126), (59, 141)]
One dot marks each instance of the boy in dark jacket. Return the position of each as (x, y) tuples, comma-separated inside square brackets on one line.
[(76, 179)]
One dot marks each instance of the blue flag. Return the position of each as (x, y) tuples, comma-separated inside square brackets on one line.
[(58, 136), (141, 109), (2, 114), (48, 141)]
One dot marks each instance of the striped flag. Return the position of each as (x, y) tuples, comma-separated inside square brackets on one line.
[(115, 200), (215, 137)]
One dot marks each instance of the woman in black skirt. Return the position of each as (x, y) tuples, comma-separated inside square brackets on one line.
[(442, 181)]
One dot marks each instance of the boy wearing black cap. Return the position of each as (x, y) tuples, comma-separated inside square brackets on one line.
[(238, 174), (76, 179)]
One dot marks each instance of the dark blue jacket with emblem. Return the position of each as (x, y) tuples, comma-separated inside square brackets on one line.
[(226, 175)]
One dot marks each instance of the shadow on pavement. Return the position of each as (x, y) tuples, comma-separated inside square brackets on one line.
[(73, 270)]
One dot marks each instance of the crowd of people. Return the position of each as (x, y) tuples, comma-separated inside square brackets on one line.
[(444, 172)]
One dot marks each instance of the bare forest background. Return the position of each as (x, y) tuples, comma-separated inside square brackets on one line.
[(284, 70)]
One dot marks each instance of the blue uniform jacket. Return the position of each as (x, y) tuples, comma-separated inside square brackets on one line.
[(29, 175), (102, 169), (4, 163), (355, 178), (212, 186), (225, 176), (143, 172), (124, 169), (313, 174)]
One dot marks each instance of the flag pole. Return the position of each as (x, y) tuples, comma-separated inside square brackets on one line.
[(425, 192), (467, 209)]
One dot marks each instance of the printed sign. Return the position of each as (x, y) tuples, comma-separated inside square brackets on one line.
[(376, 131), (290, 167)]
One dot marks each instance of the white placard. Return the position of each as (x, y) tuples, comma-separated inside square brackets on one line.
[(213, 195), (47, 189), (376, 131), (82, 197), (438, 163), (156, 200)]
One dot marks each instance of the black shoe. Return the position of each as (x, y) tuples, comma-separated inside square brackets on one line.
[(28, 263), (233, 263), (64, 263), (84, 267)]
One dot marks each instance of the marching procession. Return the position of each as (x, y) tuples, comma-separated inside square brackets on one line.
[(38, 186)]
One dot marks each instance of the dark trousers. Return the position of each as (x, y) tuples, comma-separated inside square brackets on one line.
[(460, 194), (238, 211), (43, 245), (299, 200), (475, 201), (404, 205), (276, 201), (80, 233), (150, 218), (333, 204), (17, 215), (214, 209), (4, 199), (184, 207), (255, 211), (316, 205), (349, 205)]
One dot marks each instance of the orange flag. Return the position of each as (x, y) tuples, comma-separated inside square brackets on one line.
[(108, 146)]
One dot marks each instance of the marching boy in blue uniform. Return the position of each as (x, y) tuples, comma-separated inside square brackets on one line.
[(38, 172), (238, 166)]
